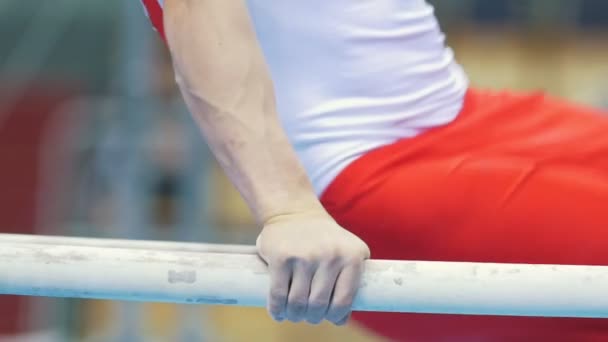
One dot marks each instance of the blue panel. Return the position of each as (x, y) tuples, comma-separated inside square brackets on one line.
[(594, 13), (494, 11)]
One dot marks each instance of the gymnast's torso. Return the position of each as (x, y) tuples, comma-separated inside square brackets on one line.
[(354, 75)]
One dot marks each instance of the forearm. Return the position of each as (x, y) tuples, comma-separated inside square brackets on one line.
[(225, 83)]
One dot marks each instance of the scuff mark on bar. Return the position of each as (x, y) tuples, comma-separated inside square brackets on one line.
[(188, 277)]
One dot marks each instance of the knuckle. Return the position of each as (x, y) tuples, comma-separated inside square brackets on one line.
[(297, 306), (306, 261), (353, 259), (349, 255), (300, 259), (314, 255), (337, 313), (343, 304), (347, 262), (339, 307), (291, 259), (331, 256), (317, 305), (281, 258), (334, 257), (278, 296)]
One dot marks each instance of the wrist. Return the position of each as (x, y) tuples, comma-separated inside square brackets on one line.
[(309, 206)]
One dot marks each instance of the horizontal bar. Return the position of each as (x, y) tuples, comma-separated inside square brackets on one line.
[(241, 279), (131, 244)]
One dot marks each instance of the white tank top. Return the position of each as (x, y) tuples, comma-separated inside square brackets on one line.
[(354, 75)]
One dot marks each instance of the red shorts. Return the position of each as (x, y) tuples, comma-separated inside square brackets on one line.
[(514, 179)]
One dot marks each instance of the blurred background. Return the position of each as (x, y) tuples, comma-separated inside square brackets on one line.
[(95, 141)]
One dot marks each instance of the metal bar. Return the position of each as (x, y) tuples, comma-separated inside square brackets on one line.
[(235, 279)]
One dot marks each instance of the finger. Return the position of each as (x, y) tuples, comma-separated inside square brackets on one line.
[(299, 290), (280, 277), (321, 288), (345, 290), (344, 320)]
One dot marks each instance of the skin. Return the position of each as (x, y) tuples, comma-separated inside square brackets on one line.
[(315, 265)]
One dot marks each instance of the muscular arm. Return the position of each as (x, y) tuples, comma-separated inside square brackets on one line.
[(315, 265), (225, 82)]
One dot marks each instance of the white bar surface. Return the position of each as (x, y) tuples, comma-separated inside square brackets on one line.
[(178, 276)]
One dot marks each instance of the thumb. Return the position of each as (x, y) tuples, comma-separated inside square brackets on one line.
[(258, 245)]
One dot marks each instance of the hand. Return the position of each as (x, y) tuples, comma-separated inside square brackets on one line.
[(315, 267)]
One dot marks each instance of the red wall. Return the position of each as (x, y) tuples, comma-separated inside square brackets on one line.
[(22, 124)]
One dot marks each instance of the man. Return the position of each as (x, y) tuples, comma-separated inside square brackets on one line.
[(372, 109)]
